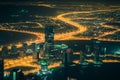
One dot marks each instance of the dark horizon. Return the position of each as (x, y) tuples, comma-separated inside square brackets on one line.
[(61, 0)]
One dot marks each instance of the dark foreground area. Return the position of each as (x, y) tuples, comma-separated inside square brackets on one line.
[(105, 71)]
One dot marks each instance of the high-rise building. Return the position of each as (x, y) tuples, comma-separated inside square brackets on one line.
[(33, 46), (87, 50), (103, 51), (49, 34), (13, 49), (96, 51), (49, 38), (24, 46), (69, 53), (44, 73), (68, 57)]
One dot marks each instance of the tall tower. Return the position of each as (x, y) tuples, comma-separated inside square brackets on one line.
[(49, 37), (96, 47), (49, 34)]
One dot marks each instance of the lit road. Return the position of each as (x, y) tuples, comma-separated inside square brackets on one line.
[(27, 61), (108, 33), (29, 42), (69, 35), (81, 28)]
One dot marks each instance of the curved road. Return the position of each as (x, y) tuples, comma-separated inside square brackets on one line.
[(81, 28)]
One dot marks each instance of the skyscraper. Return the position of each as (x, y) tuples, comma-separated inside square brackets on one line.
[(96, 47), (49, 37), (49, 34)]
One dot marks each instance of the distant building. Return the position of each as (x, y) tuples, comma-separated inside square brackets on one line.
[(33, 46), (5, 50), (24, 46), (103, 50), (14, 49), (87, 49), (68, 57), (96, 50), (37, 51), (29, 51)]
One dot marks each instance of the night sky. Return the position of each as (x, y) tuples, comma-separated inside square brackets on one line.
[(63, 0)]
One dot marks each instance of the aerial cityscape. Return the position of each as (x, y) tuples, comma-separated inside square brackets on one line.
[(56, 40)]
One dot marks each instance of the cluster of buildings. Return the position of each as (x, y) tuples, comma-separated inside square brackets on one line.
[(48, 49), (34, 49)]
